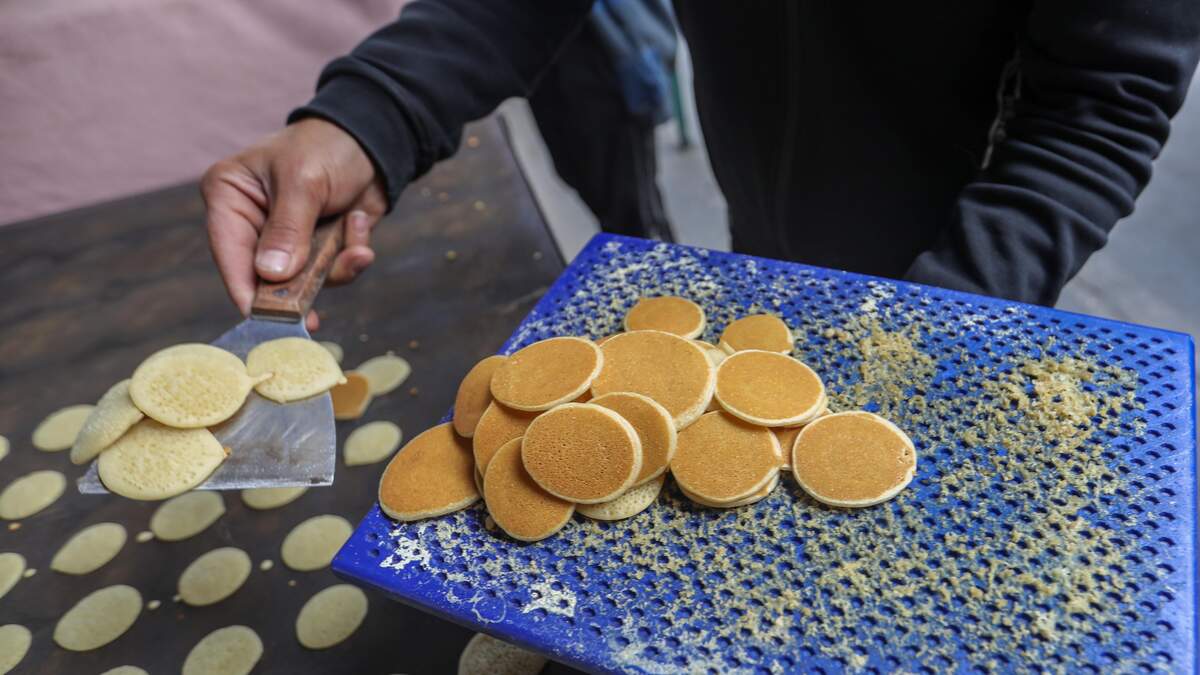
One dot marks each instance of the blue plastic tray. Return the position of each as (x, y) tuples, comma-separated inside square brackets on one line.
[(1051, 525)]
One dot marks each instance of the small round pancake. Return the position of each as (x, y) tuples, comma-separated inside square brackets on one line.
[(99, 618), (714, 353), (153, 461), (654, 428), (853, 459), (634, 500), (232, 650), (89, 549), (475, 395), (14, 644), (752, 499), (722, 459), (787, 439), (61, 427), (485, 655), (262, 499), (113, 415), (312, 544), (669, 369), (385, 373), (214, 576), (670, 314), (351, 398), (371, 443), (4, 447), (497, 426), (759, 331), (187, 515), (547, 373), (334, 349), (330, 616), (295, 368), (31, 493), (520, 506), (12, 566), (769, 389), (582, 452), (432, 475), (126, 670), (190, 386)]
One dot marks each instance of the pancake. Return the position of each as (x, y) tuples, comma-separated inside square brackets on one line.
[(547, 373), (853, 459), (335, 350), (351, 398), (485, 655), (312, 544), (61, 427), (669, 314), (113, 415), (384, 373), (787, 438), (475, 395), (31, 493), (669, 369), (89, 549), (769, 389), (654, 428), (606, 338), (98, 619), (192, 385), (298, 368), (126, 670), (497, 426), (722, 459), (432, 475), (371, 443), (330, 616), (12, 566), (14, 644), (4, 447), (519, 505), (582, 452), (262, 499), (153, 461), (714, 353), (759, 331), (632, 502), (214, 576), (232, 650), (187, 515), (752, 499)]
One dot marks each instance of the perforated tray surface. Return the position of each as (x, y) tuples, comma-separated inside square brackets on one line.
[(1050, 525)]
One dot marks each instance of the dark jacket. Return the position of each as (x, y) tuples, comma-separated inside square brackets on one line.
[(983, 146)]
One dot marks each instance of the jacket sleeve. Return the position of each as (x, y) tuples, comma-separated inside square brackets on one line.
[(1100, 81), (407, 90)]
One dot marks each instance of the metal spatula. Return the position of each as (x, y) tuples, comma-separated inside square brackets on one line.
[(274, 445)]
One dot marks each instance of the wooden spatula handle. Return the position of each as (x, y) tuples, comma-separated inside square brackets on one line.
[(290, 300)]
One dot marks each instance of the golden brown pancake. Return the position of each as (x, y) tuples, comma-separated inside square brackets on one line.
[(475, 395), (769, 389), (752, 499), (669, 369), (669, 314), (431, 476), (547, 373), (351, 398), (759, 331), (853, 459), (497, 426), (654, 428), (518, 504), (722, 459), (582, 452)]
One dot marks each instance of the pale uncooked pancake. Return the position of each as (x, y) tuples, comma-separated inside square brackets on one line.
[(752, 499), (669, 314), (520, 506), (769, 389), (232, 650), (12, 566), (113, 415), (759, 331), (294, 369), (271, 498), (485, 655), (153, 461), (334, 349), (635, 500), (214, 576), (89, 549), (99, 618), (582, 452), (714, 353), (60, 428), (853, 459), (371, 443), (497, 426), (187, 515), (351, 398), (312, 544), (654, 427), (432, 475), (14, 644), (330, 616), (475, 395), (669, 369), (722, 459), (190, 385), (547, 373), (384, 373), (125, 670), (31, 493)]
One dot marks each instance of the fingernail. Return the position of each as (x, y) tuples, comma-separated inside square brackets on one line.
[(358, 221), (273, 260)]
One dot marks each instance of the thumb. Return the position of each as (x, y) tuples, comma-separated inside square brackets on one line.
[(287, 235)]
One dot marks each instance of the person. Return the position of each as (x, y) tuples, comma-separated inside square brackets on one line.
[(985, 146)]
